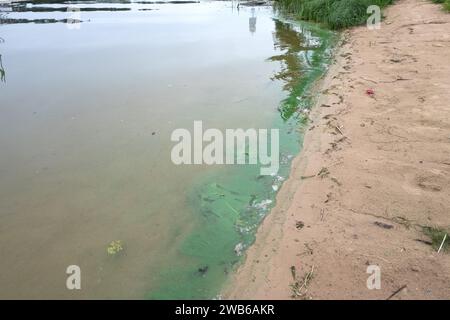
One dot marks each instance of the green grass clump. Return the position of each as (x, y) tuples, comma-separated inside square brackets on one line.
[(336, 14), (347, 13), (445, 3), (436, 236), (114, 247)]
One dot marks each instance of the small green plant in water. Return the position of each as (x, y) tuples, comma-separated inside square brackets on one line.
[(114, 247)]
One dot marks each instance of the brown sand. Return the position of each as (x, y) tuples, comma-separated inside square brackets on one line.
[(387, 159)]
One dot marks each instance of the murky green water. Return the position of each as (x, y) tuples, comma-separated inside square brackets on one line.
[(87, 110)]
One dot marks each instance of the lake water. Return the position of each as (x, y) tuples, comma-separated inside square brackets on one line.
[(87, 108)]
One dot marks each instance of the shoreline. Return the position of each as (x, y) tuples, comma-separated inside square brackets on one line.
[(371, 173)]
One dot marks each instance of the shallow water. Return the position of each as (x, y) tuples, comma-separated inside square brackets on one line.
[(87, 110)]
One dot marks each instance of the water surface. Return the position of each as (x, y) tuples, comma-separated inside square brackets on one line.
[(86, 113)]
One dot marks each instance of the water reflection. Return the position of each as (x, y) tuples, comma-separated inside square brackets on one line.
[(20, 8), (252, 22), (37, 21), (81, 170), (25, 8), (104, 1), (286, 38), (2, 69), (297, 47)]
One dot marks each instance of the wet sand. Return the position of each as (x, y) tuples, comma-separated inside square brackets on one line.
[(373, 171)]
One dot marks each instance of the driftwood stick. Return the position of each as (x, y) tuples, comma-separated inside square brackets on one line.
[(442, 244), (373, 81), (396, 291), (340, 131)]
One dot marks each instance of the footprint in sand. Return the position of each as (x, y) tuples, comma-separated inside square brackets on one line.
[(426, 182), (430, 183)]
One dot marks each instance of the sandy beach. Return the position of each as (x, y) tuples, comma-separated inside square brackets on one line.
[(373, 172)]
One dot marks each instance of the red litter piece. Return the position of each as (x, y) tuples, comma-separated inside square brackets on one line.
[(370, 92)]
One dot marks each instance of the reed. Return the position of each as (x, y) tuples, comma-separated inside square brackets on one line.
[(336, 14)]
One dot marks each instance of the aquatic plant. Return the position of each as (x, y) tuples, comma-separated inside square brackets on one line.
[(336, 14), (114, 247)]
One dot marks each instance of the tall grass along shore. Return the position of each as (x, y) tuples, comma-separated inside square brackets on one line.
[(445, 3), (336, 14)]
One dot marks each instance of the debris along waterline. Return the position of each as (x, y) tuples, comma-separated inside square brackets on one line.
[(231, 202)]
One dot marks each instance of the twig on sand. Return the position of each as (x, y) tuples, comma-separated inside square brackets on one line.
[(373, 81), (308, 277), (377, 257), (442, 244), (340, 131), (398, 79), (300, 287), (396, 292), (422, 23)]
